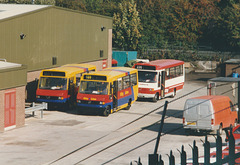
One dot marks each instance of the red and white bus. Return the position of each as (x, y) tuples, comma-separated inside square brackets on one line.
[(160, 78)]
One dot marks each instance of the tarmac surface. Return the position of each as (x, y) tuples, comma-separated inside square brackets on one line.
[(45, 141)]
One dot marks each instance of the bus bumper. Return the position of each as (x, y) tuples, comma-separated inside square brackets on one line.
[(144, 95), (92, 106), (52, 101)]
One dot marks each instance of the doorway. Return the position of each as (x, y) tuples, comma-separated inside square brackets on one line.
[(10, 108)]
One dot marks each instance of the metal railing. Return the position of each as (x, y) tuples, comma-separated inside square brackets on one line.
[(207, 159), (216, 158), (36, 107)]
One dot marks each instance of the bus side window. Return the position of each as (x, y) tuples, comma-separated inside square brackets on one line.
[(110, 88), (159, 77), (172, 72), (120, 86), (133, 79), (126, 82), (78, 77), (178, 71), (167, 75)]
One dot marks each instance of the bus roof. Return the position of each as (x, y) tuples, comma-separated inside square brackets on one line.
[(161, 64), (69, 69), (113, 72)]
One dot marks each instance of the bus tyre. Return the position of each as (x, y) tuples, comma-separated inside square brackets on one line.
[(50, 106), (174, 93), (155, 98), (106, 111), (129, 104)]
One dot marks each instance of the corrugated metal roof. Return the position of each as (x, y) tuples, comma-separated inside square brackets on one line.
[(11, 10), (233, 61), (5, 65), (225, 79)]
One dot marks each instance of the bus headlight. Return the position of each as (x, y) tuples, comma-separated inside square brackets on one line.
[(60, 98), (38, 97), (79, 101), (151, 89), (102, 102)]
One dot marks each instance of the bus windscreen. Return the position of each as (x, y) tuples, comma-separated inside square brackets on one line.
[(92, 87), (147, 77), (53, 83)]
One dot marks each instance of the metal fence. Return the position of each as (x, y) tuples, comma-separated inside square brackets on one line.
[(36, 107), (208, 159), (198, 54), (229, 156)]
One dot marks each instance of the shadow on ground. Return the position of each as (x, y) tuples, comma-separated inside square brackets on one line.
[(176, 129)]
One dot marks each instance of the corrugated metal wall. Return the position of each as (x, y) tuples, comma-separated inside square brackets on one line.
[(70, 36)]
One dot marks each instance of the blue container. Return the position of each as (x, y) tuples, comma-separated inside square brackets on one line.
[(124, 56), (235, 75)]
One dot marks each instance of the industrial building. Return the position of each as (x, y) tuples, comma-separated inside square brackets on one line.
[(36, 37), (230, 67)]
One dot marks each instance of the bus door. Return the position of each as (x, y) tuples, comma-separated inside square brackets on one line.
[(71, 88), (163, 84), (115, 94)]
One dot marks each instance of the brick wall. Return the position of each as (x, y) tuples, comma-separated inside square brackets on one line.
[(2, 110), (230, 68), (20, 106)]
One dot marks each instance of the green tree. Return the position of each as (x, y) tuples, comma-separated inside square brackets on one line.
[(188, 18), (45, 2), (72, 4), (154, 17), (224, 32), (126, 26)]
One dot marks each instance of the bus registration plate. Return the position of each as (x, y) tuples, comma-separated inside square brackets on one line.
[(191, 123)]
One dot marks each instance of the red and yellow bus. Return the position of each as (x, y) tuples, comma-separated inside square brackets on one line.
[(108, 90), (59, 85), (160, 78)]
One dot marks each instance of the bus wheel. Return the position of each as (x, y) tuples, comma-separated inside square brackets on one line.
[(155, 98), (50, 106), (174, 93), (106, 111), (129, 104), (72, 105)]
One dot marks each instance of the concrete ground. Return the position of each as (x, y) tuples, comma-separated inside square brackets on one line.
[(45, 141)]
